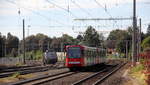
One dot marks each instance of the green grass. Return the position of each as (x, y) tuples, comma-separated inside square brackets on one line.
[(15, 75), (137, 73), (19, 64), (137, 68), (38, 55)]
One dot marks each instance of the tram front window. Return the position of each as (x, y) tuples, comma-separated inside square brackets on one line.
[(74, 52)]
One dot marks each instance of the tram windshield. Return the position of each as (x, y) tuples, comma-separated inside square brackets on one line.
[(74, 52)]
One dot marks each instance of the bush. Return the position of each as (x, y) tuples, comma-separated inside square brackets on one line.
[(38, 54), (146, 43)]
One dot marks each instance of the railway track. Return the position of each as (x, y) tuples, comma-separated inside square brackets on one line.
[(17, 68), (26, 70), (73, 78), (43, 79), (99, 77), (9, 69)]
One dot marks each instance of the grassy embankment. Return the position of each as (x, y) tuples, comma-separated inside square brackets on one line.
[(137, 73)]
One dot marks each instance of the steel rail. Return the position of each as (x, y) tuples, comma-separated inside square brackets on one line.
[(54, 78), (91, 76), (22, 68), (43, 79), (18, 68), (13, 67), (23, 71), (106, 76)]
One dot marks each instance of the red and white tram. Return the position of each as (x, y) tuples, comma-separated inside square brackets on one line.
[(82, 56)]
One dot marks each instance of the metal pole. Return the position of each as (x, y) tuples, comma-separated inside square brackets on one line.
[(24, 41), (127, 49), (140, 35), (5, 48), (62, 47), (1, 48), (139, 39), (48, 46), (134, 46)]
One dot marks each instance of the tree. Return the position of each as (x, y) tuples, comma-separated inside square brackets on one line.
[(12, 42), (148, 30), (37, 42), (146, 42), (31, 43), (117, 39), (91, 37), (114, 37), (59, 43), (79, 38), (2, 45), (66, 39), (43, 42), (56, 44)]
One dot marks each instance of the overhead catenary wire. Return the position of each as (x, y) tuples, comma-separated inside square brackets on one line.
[(106, 11), (50, 2), (37, 13), (81, 8), (104, 8)]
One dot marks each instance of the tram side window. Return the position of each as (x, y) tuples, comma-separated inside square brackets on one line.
[(98, 53), (89, 53), (86, 53), (94, 53), (101, 53), (104, 52)]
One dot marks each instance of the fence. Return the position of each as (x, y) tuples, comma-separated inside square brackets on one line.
[(13, 54), (11, 60)]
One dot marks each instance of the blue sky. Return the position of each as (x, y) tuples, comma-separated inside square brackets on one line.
[(56, 17)]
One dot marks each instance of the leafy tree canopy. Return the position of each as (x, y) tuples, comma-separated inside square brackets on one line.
[(117, 39), (91, 37)]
